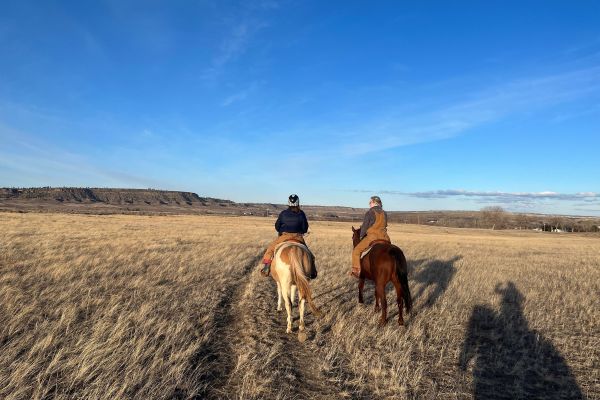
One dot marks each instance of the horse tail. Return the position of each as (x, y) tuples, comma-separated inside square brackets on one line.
[(298, 257), (402, 273)]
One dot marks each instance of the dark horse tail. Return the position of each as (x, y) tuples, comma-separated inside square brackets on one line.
[(402, 273)]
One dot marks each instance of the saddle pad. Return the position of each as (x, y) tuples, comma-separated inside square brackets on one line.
[(364, 253), (289, 243), (371, 245)]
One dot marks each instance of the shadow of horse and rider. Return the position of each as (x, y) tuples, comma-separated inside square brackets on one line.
[(512, 361), (432, 276)]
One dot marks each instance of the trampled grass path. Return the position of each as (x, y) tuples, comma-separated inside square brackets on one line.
[(257, 358)]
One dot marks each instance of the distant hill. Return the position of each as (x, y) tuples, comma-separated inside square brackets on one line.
[(149, 202), (166, 202), (110, 201), (108, 196)]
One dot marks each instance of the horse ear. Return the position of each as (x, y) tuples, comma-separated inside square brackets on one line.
[(353, 230)]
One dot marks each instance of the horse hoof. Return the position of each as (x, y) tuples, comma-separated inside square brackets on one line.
[(382, 322), (377, 309), (302, 336), (400, 322)]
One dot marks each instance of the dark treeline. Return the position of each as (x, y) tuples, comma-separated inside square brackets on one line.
[(498, 218)]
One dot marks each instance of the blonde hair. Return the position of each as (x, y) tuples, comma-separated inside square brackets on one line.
[(376, 199)]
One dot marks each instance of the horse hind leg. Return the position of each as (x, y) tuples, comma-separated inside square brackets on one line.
[(279, 296), (288, 307), (301, 311), (361, 286), (380, 293), (399, 300), (293, 296)]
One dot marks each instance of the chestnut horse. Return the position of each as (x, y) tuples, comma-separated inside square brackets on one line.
[(384, 263)]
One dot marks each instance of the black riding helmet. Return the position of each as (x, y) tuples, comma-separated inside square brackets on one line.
[(293, 200)]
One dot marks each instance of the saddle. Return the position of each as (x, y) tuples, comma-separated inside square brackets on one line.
[(371, 245)]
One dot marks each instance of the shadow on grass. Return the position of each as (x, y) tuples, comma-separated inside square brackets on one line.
[(428, 273), (512, 361)]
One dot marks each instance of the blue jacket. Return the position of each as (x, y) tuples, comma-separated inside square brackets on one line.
[(291, 222)]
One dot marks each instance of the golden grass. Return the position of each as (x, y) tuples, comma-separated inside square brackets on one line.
[(172, 307)]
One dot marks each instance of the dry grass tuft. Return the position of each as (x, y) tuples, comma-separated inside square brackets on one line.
[(111, 307)]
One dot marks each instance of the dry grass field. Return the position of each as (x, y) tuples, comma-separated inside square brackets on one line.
[(118, 307)]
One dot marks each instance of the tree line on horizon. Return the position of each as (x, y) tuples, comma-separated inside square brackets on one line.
[(496, 217)]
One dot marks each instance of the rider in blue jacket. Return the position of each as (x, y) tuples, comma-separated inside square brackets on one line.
[(290, 225)]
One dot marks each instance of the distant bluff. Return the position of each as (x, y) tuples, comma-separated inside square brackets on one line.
[(108, 196)]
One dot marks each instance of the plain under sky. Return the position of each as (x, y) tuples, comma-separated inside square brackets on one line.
[(429, 104)]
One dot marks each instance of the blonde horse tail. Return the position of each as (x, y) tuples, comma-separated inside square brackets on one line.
[(298, 257)]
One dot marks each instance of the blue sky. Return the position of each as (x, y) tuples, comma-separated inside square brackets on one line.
[(432, 105)]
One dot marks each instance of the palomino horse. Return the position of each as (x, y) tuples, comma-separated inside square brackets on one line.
[(384, 263), (292, 264)]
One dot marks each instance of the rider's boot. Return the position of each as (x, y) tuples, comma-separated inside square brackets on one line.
[(266, 269), (313, 272)]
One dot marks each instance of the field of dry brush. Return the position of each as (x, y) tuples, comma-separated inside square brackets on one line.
[(117, 307)]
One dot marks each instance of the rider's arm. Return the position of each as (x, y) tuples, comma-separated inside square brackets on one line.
[(278, 224), (304, 223), (367, 223)]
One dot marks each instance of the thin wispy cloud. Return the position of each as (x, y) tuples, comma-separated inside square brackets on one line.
[(235, 43), (514, 201), (239, 96), (503, 196), (484, 107)]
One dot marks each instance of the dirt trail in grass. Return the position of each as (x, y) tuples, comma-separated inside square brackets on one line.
[(258, 359)]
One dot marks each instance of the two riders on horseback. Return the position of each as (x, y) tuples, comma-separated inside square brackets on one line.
[(292, 224), (294, 265)]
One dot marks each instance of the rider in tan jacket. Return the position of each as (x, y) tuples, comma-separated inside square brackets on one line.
[(374, 227)]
